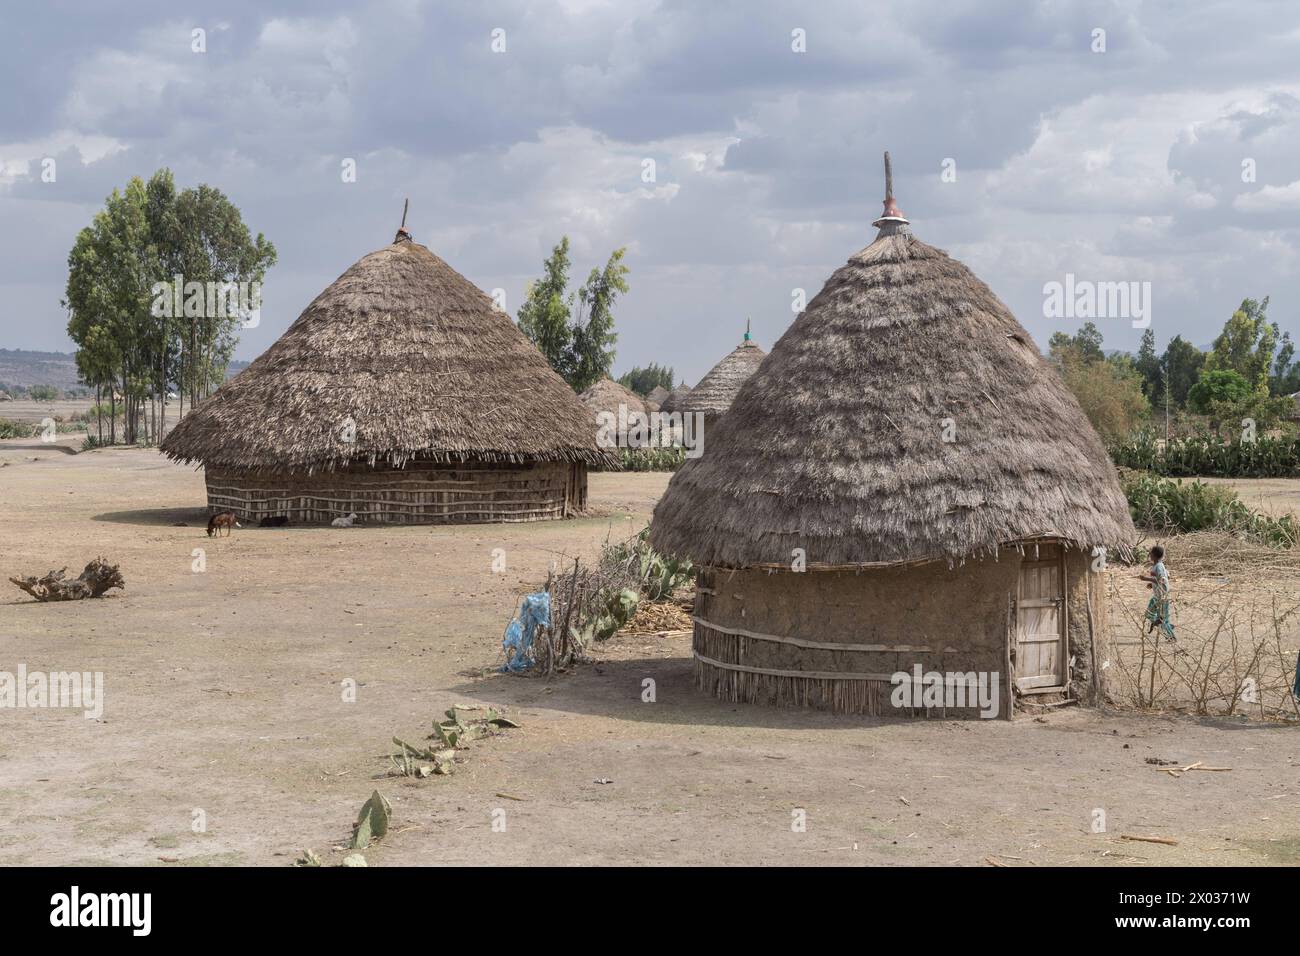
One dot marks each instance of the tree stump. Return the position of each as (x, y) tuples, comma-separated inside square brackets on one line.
[(98, 577)]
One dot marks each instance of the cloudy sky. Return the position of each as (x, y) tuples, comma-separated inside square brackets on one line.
[(1123, 165)]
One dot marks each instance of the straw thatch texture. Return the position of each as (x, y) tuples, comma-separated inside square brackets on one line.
[(836, 445), (414, 355), (657, 396), (606, 396), (669, 404), (715, 392)]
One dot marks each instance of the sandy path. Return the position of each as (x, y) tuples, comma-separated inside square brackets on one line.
[(223, 696)]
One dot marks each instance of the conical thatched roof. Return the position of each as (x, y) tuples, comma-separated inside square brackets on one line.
[(715, 392), (670, 403), (606, 395), (657, 395), (836, 445), (414, 355)]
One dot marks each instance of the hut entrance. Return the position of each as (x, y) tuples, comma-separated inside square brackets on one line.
[(1040, 620)]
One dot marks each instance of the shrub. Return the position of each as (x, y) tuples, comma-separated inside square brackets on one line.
[(1161, 504), (12, 429)]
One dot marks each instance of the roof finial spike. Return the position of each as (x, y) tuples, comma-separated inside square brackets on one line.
[(747, 335), (891, 221), (402, 234)]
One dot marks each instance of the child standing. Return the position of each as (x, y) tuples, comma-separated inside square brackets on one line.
[(1158, 607)]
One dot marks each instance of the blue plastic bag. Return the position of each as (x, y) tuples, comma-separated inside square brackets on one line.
[(534, 612)]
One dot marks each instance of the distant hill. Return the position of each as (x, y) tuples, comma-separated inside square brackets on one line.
[(25, 368)]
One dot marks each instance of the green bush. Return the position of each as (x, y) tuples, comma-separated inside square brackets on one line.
[(1165, 505), (12, 429), (651, 459)]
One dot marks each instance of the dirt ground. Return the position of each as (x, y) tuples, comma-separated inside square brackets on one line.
[(26, 410), (224, 705)]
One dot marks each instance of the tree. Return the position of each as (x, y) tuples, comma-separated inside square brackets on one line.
[(580, 351), (1246, 345), (544, 316), (1148, 366), (1084, 345), (643, 381), (1218, 387), (1182, 362), (208, 242), (1109, 392), (1285, 379), (593, 340), (1228, 399), (148, 234)]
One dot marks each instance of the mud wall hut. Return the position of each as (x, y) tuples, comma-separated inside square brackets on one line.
[(400, 394), (904, 487)]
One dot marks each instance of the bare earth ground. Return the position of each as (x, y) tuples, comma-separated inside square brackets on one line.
[(223, 696), (25, 410)]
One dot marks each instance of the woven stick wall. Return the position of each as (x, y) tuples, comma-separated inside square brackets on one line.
[(721, 671), (422, 492)]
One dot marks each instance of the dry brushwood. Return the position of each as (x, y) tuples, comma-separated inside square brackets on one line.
[(98, 577)]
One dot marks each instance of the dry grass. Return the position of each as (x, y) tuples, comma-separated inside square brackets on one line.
[(1237, 618)]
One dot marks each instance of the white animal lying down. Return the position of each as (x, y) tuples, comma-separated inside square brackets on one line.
[(347, 522)]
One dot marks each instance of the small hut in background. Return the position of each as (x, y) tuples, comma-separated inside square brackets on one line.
[(905, 483), (607, 396), (400, 394), (657, 396), (670, 403), (715, 392)]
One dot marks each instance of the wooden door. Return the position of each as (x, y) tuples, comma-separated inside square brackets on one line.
[(1040, 619)]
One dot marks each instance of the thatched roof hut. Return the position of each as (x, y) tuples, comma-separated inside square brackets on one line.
[(714, 393), (670, 403), (402, 394), (904, 482), (657, 396), (607, 396)]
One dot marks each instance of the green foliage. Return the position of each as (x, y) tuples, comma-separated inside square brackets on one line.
[(1083, 346), (643, 381), (147, 234), (1148, 366), (1218, 386), (43, 393), (580, 351), (1165, 505), (652, 459), (658, 574), (1246, 345), (1210, 456), (593, 340), (12, 429), (544, 316), (1285, 379), (1181, 364)]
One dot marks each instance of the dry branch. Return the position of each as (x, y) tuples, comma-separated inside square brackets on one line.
[(99, 576)]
